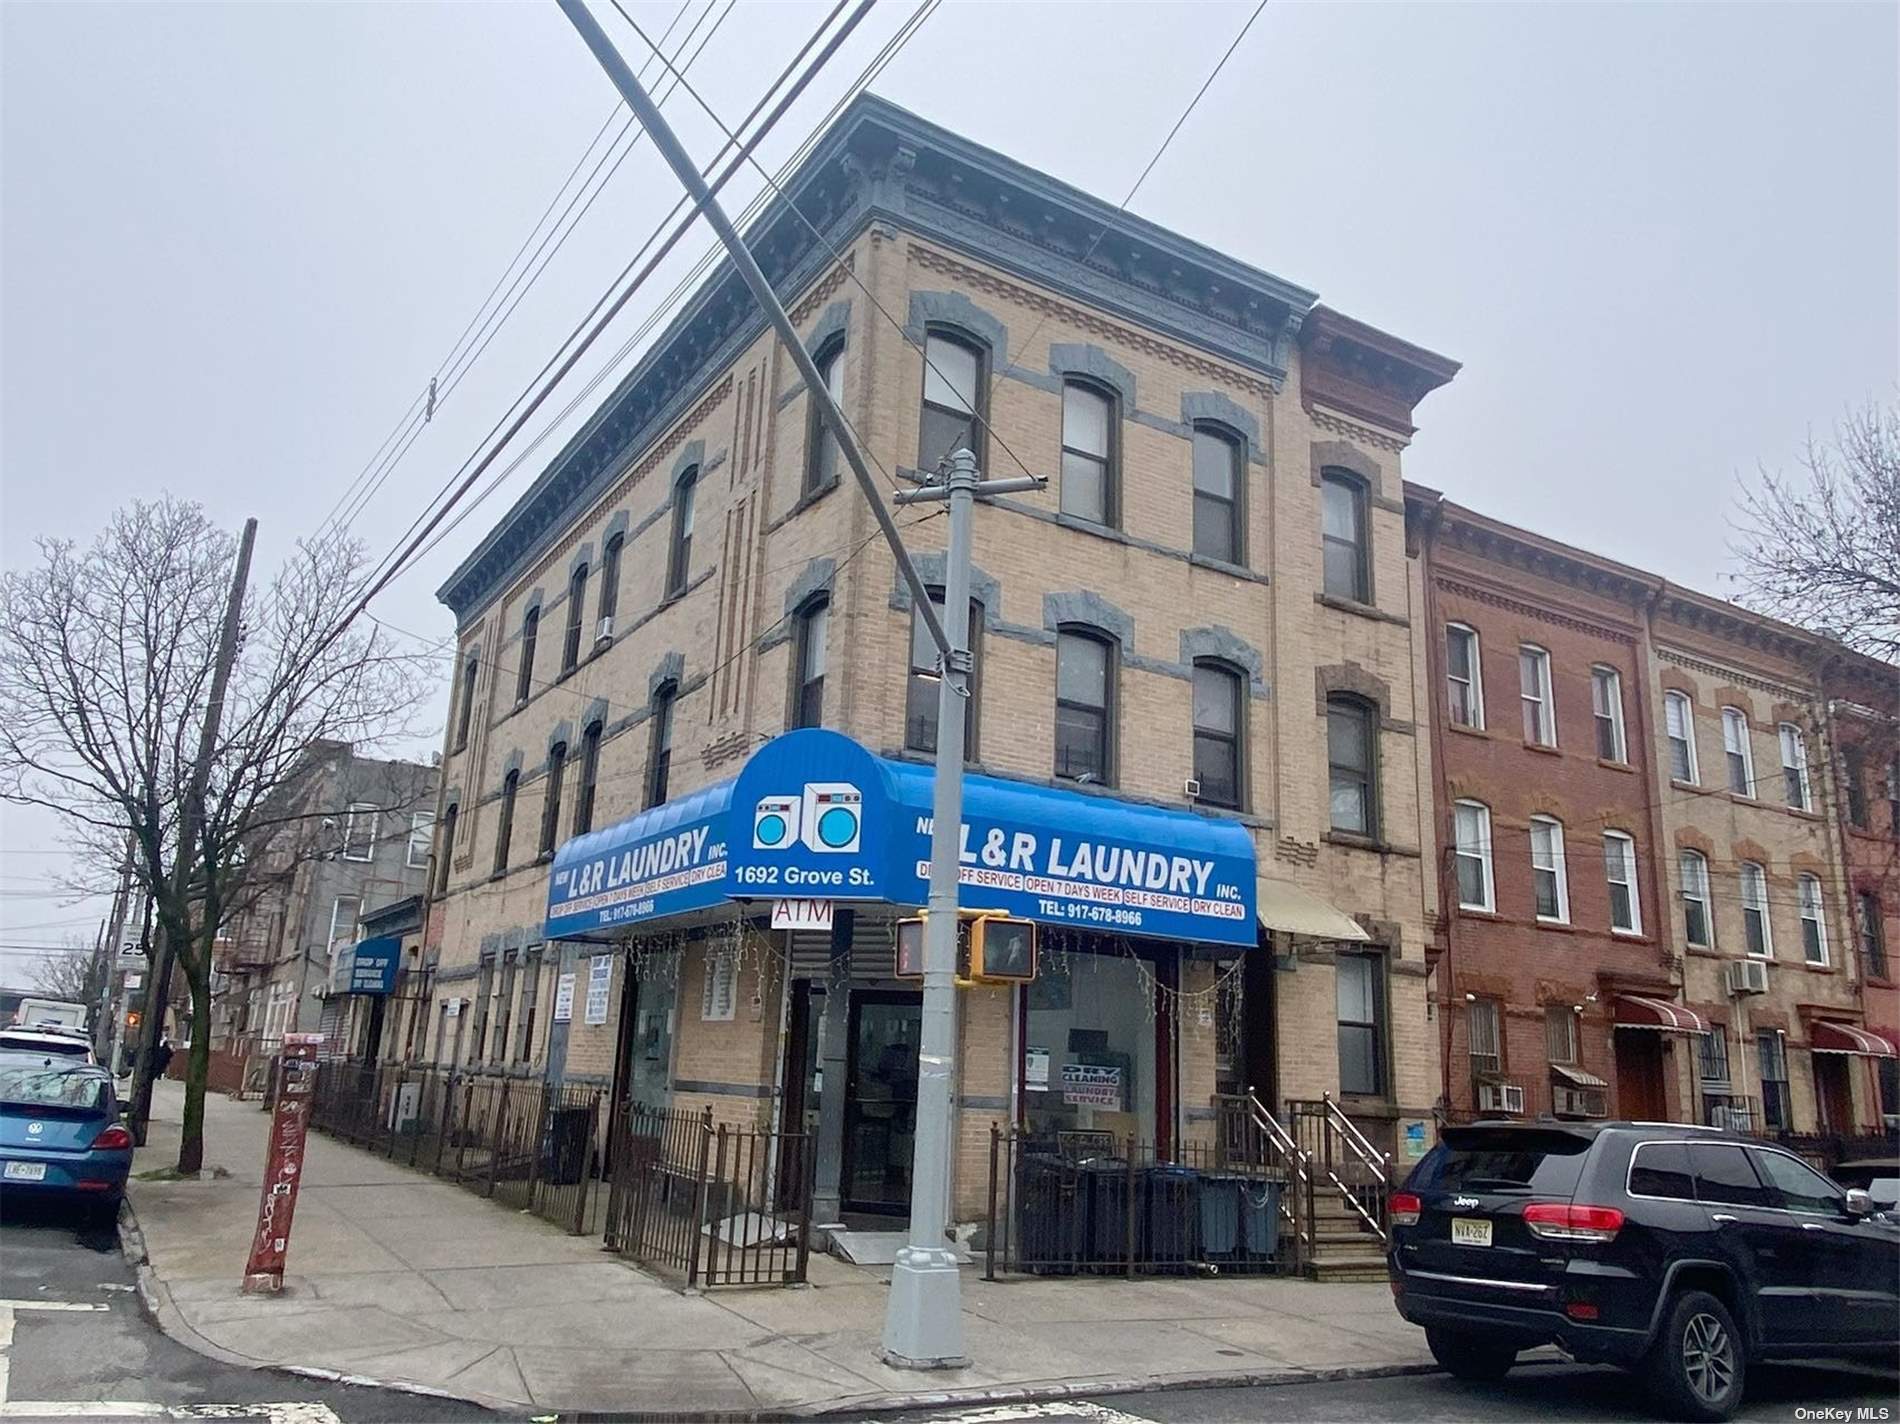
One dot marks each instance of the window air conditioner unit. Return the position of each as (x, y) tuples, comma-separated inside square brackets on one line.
[(605, 630), (1192, 789), (1577, 1102), (1748, 976), (1501, 1097)]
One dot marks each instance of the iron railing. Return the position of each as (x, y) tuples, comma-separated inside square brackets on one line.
[(709, 1204), (1067, 1203), (1341, 1162)]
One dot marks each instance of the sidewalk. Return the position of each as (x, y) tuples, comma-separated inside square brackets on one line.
[(401, 1278)]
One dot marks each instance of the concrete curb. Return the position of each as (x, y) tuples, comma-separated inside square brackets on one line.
[(156, 1301)]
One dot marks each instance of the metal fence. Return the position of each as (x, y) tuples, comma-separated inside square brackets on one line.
[(708, 1203), (1068, 1203), (527, 1143)]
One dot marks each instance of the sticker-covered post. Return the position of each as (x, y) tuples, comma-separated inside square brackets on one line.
[(283, 1163)]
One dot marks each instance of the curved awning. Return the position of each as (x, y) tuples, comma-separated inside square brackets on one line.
[(1826, 1037), (1663, 1015), (1291, 910)]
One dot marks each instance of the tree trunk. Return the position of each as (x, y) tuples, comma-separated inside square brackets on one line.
[(191, 1147)]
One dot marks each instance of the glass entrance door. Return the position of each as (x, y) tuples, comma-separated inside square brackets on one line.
[(880, 1115)]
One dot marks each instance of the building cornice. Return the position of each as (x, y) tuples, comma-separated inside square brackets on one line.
[(1366, 373)]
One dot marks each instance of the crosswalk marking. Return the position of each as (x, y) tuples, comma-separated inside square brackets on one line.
[(49, 1305), (1079, 1409)]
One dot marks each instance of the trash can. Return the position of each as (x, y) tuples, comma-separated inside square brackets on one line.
[(1171, 1217), (1051, 1216), (1102, 1183), (565, 1143), (1220, 1216), (1260, 1218)]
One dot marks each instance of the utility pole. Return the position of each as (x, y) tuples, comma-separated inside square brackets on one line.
[(106, 1029), (923, 1324), (189, 816)]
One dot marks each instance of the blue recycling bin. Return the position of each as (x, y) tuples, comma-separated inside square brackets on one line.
[(1051, 1216), (1170, 1217), (1240, 1218)]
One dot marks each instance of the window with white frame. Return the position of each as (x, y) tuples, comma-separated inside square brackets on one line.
[(1813, 920), (1794, 767), (1550, 882), (1472, 842), (421, 833), (1606, 702), (1698, 928), (1540, 713), (1679, 719), (1486, 1056), (1756, 933), (343, 922), (1741, 761), (1619, 869), (1464, 678), (359, 831)]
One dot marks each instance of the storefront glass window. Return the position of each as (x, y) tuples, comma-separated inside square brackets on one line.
[(1089, 1053), (652, 1046)]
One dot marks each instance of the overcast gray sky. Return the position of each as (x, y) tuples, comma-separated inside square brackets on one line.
[(237, 239)]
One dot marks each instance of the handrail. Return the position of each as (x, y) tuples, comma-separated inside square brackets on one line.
[(1364, 1150), (1264, 1119)]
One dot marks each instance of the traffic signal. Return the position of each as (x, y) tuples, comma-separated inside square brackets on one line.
[(1002, 950), (133, 1018)]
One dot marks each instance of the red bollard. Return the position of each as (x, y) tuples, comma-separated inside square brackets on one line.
[(283, 1163)]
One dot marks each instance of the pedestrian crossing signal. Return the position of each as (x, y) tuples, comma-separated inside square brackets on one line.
[(1002, 950)]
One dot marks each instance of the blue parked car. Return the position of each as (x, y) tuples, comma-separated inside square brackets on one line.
[(60, 1134)]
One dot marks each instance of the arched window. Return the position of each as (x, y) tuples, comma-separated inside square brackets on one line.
[(465, 713), (920, 688), (1794, 766), (1873, 937), (590, 779), (1756, 933), (660, 753), (1343, 536), (1698, 926), (1085, 706), (1464, 676), (1471, 848), (1550, 879), (1606, 705), (551, 807), (505, 823), (954, 399), (808, 664), (1220, 482), (1352, 746), (576, 607), (1534, 693), (530, 634), (1679, 723), (1088, 453), (1813, 919), (821, 465), (1219, 733), (679, 559), (1741, 757), (445, 843), (609, 586), (1619, 872)]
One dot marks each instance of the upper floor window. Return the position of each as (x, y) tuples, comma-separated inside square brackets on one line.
[(359, 831), (1893, 796), (1464, 676), (505, 822), (1084, 706), (1873, 935), (1088, 453), (679, 557), (1220, 473), (530, 635), (1756, 932), (953, 400), (1533, 680), (1352, 743), (1560, 1033), (1794, 767), (590, 779), (551, 806), (1481, 1017), (1360, 996), (1619, 870), (1813, 919), (465, 713), (1550, 881), (421, 833), (1471, 844), (660, 754), (1606, 702), (1698, 928), (1854, 786), (450, 815), (1741, 761), (1218, 710), (1679, 722), (1343, 536), (609, 585), (808, 664), (576, 607), (921, 686), (821, 468)]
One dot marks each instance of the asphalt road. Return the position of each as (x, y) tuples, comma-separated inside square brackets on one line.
[(104, 1350), (1558, 1392)]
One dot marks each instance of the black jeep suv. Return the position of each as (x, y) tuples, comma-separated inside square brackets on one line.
[(1684, 1252)]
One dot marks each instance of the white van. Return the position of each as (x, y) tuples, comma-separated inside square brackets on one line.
[(50, 1013)]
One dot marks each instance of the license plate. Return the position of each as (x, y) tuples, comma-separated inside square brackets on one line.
[(26, 1171), (1468, 1231)]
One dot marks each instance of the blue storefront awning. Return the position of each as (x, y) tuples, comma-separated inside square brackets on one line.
[(815, 815), (368, 967)]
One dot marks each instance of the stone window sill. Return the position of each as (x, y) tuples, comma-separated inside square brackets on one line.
[(1360, 610), (1462, 730), (1543, 749), (1621, 766)]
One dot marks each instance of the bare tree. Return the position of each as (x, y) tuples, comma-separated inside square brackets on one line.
[(106, 660), (1821, 549), (75, 974)]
